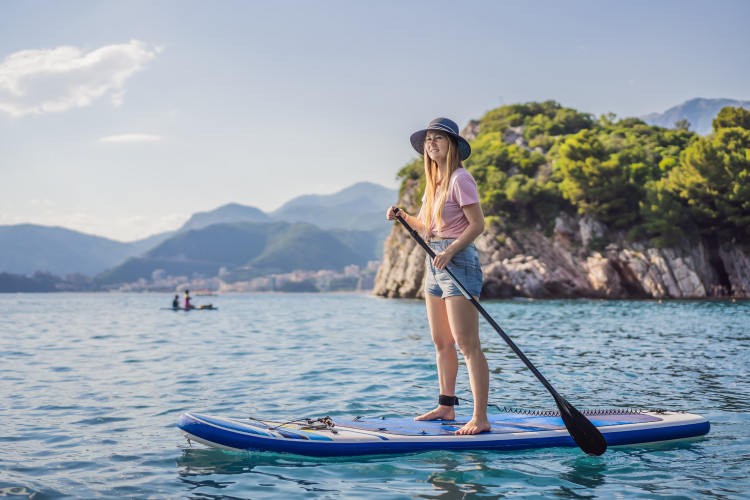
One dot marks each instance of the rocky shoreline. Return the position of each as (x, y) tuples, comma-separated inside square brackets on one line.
[(528, 263)]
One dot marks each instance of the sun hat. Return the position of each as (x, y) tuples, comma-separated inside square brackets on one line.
[(444, 125)]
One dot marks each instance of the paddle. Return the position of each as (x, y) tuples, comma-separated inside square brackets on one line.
[(584, 433)]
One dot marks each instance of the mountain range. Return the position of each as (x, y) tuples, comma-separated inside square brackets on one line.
[(25, 248), (244, 250), (699, 112), (352, 217)]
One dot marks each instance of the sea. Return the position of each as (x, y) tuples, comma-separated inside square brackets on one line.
[(92, 385)]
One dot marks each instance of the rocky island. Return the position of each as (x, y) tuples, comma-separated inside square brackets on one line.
[(583, 208)]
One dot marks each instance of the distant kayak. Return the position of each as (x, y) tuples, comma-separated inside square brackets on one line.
[(197, 308)]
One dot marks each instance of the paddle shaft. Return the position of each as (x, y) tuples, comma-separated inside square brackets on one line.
[(583, 432), (481, 310)]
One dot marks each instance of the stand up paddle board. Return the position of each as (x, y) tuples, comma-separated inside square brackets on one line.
[(196, 308), (511, 430)]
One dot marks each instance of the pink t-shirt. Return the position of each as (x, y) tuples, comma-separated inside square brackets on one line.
[(462, 191)]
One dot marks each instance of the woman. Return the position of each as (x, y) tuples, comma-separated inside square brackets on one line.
[(188, 304), (450, 219)]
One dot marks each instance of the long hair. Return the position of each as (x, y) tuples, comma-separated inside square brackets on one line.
[(433, 207)]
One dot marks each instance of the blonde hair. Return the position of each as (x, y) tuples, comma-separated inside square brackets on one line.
[(431, 185)]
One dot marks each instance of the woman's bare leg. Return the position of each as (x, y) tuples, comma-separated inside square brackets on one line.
[(445, 354), (464, 323)]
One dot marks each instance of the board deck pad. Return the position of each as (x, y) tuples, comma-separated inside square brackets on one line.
[(365, 436), (500, 424)]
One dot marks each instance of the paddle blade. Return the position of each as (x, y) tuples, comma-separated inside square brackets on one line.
[(584, 433)]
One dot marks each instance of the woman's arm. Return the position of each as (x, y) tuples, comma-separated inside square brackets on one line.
[(475, 217), (414, 222)]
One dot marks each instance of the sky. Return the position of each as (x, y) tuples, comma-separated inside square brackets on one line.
[(123, 118)]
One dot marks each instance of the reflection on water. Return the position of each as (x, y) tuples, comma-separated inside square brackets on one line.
[(585, 471), (91, 386)]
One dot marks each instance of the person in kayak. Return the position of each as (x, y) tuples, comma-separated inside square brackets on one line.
[(188, 305), (176, 302), (449, 220)]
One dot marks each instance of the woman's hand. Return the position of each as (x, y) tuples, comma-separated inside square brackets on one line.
[(442, 259), (393, 212)]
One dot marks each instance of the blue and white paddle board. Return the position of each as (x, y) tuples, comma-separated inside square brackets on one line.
[(370, 436)]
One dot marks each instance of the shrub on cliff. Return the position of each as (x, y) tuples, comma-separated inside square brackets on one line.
[(538, 119), (730, 117), (654, 183), (607, 171), (713, 178)]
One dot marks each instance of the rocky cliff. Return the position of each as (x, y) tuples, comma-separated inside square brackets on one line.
[(580, 257), (528, 263)]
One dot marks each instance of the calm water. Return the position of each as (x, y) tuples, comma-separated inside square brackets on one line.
[(91, 387)]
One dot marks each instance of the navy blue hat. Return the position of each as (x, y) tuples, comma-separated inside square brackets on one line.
[(444, 125)]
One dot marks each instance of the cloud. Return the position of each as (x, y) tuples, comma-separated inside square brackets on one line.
[(37, 202), (35, 82), (130, 138)]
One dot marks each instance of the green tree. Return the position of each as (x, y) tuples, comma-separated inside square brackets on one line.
[(731, 117), (663, 214), (656, 183), (599, 183), (713, 180), (683, 124)]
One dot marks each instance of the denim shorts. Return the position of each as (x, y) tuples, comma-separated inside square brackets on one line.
[(464, 266)]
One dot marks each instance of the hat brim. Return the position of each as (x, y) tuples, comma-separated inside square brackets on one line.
[(417, 142)]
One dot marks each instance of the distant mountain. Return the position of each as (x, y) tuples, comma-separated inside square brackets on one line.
[(146, 244), (365, 243), (358, 207), (14, 283), (250, 248), (699, 112), (360, 197), (356, 211), (26, 248), (225, 244), (232, 212), (307, 247)]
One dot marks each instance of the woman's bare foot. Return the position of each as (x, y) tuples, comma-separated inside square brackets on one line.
[(439, 413), (475, 426)]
